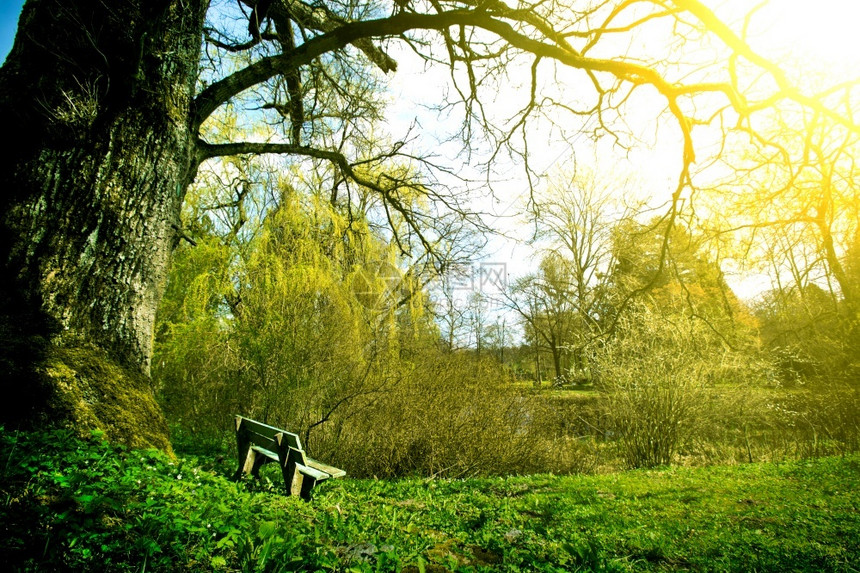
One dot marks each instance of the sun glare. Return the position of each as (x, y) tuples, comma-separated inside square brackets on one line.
[(820, 36)]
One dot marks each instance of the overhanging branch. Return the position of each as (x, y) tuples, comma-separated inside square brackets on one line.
[(787, 90), (221, 91), (388, 193)]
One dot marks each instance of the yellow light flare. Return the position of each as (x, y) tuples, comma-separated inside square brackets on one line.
[(821, 36)]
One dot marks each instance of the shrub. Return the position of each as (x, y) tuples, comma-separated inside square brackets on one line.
[(449, 415), (654, 411), (653, 378)]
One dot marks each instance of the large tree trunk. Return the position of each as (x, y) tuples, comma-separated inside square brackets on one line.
[(96, 96)]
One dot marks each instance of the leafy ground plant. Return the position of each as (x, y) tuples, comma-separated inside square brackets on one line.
[(71, 504)]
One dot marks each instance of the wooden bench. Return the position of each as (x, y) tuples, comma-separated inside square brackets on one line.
[(260, 444)]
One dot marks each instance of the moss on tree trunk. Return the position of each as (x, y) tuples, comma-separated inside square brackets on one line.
[(99, 96)]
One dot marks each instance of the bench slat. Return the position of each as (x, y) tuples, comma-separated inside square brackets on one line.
[(327, 469), (267, 431), (262, 441), (265, 452), (258, 427), (310, 471), (265, 435)]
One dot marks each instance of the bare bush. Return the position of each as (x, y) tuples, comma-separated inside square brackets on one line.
[(654, 412), (450, 415), (653, 379)]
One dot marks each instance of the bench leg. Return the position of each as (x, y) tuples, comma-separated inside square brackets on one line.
[(246, 454), (292, 478), (307, 487), (250, 464), (259, 461)]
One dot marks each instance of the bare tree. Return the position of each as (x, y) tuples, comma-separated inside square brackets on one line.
[(545, 303), (575, 219)]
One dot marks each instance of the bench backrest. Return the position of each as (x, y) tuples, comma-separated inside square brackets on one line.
[(266, 436)]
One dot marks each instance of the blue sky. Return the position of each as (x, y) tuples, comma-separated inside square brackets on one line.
[(9, 12)]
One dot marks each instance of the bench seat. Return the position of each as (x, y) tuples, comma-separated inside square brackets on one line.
[(259, 444)]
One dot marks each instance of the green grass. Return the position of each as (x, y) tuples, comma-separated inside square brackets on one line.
[(85, 505)]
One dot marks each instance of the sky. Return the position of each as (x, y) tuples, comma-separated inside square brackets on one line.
[(9, 12)]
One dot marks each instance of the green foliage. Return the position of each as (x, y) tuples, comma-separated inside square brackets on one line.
[(810, 333), (678, 338), (311, 323), (298, 325), (243, 327), (86, 505), (195, 362), (813, 421), (673, 273), (314, 325), (670, 383)]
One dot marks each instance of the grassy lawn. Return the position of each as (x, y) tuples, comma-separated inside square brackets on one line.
[(69, 504), (798, 516)]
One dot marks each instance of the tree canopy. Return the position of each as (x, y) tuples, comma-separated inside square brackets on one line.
[(119, 104)]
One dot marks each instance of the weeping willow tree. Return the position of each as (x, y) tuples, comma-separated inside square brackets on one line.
[(305, 322)]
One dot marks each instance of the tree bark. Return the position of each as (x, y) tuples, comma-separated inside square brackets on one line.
[(98, 97), (556, 359)]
